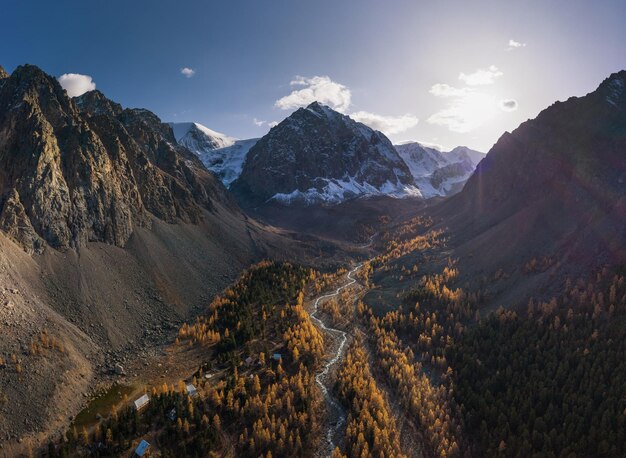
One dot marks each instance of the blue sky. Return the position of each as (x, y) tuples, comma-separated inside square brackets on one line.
[(443, 72)]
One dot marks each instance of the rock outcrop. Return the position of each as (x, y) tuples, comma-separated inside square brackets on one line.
[(84, 169)]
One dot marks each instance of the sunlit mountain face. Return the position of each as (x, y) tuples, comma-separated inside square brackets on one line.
[(313, 229)]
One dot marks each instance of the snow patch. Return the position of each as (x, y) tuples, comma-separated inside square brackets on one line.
[(332, 191)]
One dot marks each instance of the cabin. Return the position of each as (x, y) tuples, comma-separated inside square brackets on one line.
[(142, 402), (191, 390), (142, 449), (172, 415), (249, 361), (277, 356)]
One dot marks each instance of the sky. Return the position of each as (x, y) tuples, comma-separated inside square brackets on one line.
[(442, 72)]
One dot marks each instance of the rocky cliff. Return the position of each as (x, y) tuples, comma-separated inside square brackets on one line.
[(73, 171)]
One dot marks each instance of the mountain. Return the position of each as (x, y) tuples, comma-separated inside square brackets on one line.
[(552, 189), (85, 171), (318, 155), (221, 154), (197, 137), (439, 173), (110, 235)]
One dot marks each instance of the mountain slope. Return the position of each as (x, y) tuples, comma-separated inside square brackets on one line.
[(552, 189), (439, 173), (110, 235), (54, 153), (221, 154), (318, 155)]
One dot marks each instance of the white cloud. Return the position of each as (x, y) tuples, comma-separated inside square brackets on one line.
[(187, 72), (445, 90), (260, 123), (481, 76), (388, 125), (76, 84), (338, 97), (508, 104), (515, 44), (317, 88), (467, 108)]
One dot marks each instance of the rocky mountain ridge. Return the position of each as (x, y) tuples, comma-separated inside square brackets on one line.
[(73, 171), (317, 155), (436, 173)]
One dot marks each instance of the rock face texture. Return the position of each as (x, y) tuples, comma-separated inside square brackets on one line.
[(318, 155), (73, 171)]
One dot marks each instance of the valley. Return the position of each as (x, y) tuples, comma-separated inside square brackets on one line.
[(388, 376), (318, 291)]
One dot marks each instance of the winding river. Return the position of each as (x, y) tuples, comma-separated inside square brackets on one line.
[(321, 376)]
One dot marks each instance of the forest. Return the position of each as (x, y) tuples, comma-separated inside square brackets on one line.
[(267, 407), (546, 379)]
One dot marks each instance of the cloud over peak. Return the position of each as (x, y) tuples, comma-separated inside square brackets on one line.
[(76, 84), (316, 88), (337, 96), (261, 123)]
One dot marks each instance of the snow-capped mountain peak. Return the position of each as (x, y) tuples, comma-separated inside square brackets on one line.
[(222, 154), (196, 136), (437, 172), (320, 156)]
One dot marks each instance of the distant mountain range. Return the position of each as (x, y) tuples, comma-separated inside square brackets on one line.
[(439, 173), (318, 155), (221, 154)]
